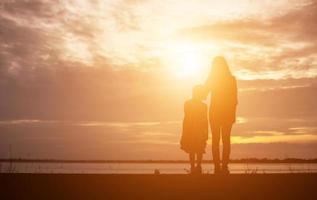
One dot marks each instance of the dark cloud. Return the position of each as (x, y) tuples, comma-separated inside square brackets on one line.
[(25, 49), (34, 8)]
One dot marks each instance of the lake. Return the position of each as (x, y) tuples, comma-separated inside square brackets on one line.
[(148, 168)]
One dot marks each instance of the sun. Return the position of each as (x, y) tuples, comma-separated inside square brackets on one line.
[(189, 65), (185, 60)]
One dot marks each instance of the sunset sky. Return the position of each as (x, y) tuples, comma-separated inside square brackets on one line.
[(93, 79)]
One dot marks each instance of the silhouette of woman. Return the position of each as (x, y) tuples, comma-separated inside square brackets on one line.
[(222, 113)]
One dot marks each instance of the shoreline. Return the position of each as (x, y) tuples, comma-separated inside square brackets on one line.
[(242, 161)]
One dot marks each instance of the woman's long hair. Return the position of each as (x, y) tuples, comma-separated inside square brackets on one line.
[(220, 68), (220, 72)]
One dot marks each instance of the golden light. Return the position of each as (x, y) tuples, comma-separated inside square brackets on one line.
[(189, 65), (185, 60)]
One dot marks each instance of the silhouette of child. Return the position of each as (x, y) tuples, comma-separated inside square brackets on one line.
[(195, 128)]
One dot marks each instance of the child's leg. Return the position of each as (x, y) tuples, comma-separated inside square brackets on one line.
[(192, 160), (199, 158)]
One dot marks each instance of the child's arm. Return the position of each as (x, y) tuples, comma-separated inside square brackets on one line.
[(207, 86), (184, 122), (205, 122)]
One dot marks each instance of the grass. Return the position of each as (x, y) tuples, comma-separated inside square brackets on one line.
[(12, 167)]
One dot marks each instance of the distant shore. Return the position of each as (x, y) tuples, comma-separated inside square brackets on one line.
[(96, 186), (245, 160)]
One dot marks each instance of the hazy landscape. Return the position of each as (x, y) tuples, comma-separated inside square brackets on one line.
[(152, 99)]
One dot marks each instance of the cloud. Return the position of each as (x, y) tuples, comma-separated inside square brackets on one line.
[(21, 46), (40, 80), (35, 8), (62, 87), (129, 140), (298, 23), (276, 127), (292, 102), (277, 150), (63, 138), (285, 42)]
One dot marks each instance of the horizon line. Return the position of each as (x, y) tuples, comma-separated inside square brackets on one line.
[(242, 160)]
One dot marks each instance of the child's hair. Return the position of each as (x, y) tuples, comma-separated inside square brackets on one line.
[(198, 92)]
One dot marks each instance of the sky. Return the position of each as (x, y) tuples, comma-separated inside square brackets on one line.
[(92, 79)]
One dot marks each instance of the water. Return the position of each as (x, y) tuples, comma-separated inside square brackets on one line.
[(148, 168)]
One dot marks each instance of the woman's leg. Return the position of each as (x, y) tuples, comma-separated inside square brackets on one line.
[(198, 166), (226, 132), (215, 131)]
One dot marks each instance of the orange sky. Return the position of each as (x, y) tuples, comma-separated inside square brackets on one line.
[(109, 78)]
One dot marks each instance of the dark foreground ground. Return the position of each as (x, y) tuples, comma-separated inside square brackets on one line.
[(85, 186)]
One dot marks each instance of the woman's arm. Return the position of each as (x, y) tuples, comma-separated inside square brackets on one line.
[(235, 90), (208, 85)]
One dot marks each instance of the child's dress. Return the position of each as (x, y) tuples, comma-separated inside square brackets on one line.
[(195, 127)]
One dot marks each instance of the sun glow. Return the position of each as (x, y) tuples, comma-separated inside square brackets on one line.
[(186, 60), (189, 65)]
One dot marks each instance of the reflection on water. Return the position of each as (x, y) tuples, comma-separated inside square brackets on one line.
[(148, 168)]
